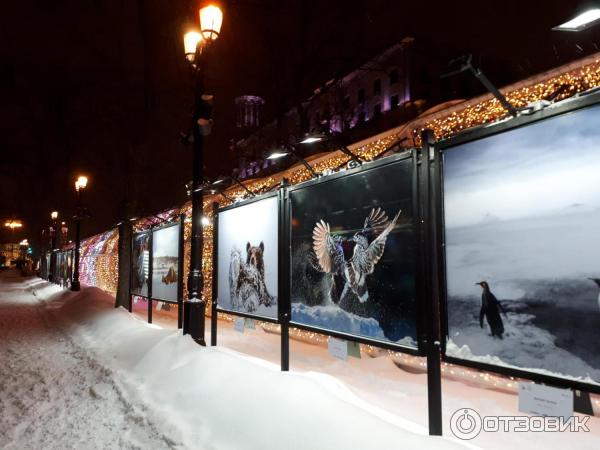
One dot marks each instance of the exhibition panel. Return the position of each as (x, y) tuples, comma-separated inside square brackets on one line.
[(247, 257), (355, 254), (140, 264), (165, 263), (521, 214)]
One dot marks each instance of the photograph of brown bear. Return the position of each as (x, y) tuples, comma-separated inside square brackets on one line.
[(247, 279), (247, 258)]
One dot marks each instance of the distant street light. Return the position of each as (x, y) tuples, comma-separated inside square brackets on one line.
[(581, 22), (12, 224), (196, 47), (80, 185)]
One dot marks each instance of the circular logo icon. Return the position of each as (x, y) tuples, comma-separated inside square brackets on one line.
[(465, 424)]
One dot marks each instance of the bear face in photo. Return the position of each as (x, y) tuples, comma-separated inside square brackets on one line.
[(255, 257)]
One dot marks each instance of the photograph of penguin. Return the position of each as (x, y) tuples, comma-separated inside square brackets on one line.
[(597, 281), (490, 308)]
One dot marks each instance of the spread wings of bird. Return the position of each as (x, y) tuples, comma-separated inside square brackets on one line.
[(376, 221), (328, 247), (364, 260)]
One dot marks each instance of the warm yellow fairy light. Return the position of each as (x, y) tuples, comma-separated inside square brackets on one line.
[(572, 82), (12, 224)]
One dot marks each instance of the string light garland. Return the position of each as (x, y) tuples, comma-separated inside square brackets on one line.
[(99, 261), (566, 84)]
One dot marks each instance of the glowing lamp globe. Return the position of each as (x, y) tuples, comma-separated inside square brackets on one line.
[(211, 19), (190, 42), (81, 183)]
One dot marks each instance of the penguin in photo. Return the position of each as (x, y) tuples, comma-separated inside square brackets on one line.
[(597, 281), (490, 308)]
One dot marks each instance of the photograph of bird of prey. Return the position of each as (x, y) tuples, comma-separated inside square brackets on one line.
[(521, 217), (350, 260), (354, 254)]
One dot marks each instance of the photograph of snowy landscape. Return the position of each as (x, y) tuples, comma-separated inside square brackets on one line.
[(248, 239), (140, 261), (165, 262), (354, 255), (522, 223)]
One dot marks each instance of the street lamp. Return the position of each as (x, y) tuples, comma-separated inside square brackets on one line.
[(13, 224), (190, 44), (53, 234), (196, 46), (80, 185), (211, 19)]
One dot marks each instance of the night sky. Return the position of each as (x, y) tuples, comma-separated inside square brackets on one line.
[(101, 87)]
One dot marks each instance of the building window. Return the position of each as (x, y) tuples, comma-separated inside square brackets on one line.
[(377, 110), (394, 101), (361, 95), (393, 76), (377, 87)]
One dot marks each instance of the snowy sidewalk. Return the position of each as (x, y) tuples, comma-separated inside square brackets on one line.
[(76, 373), (53, 393)]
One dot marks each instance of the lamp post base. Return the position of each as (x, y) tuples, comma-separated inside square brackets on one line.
[(193, 320), (75, 286)]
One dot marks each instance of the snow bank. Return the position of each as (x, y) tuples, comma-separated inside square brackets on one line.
[(525, 346), (331, 317), (464, 352), (222, 399)]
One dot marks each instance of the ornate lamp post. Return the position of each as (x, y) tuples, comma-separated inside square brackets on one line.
[(53, 235), (197, 46), (80, 185)]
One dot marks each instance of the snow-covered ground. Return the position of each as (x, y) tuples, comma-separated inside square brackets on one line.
[(54, 393), (76, 373)]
